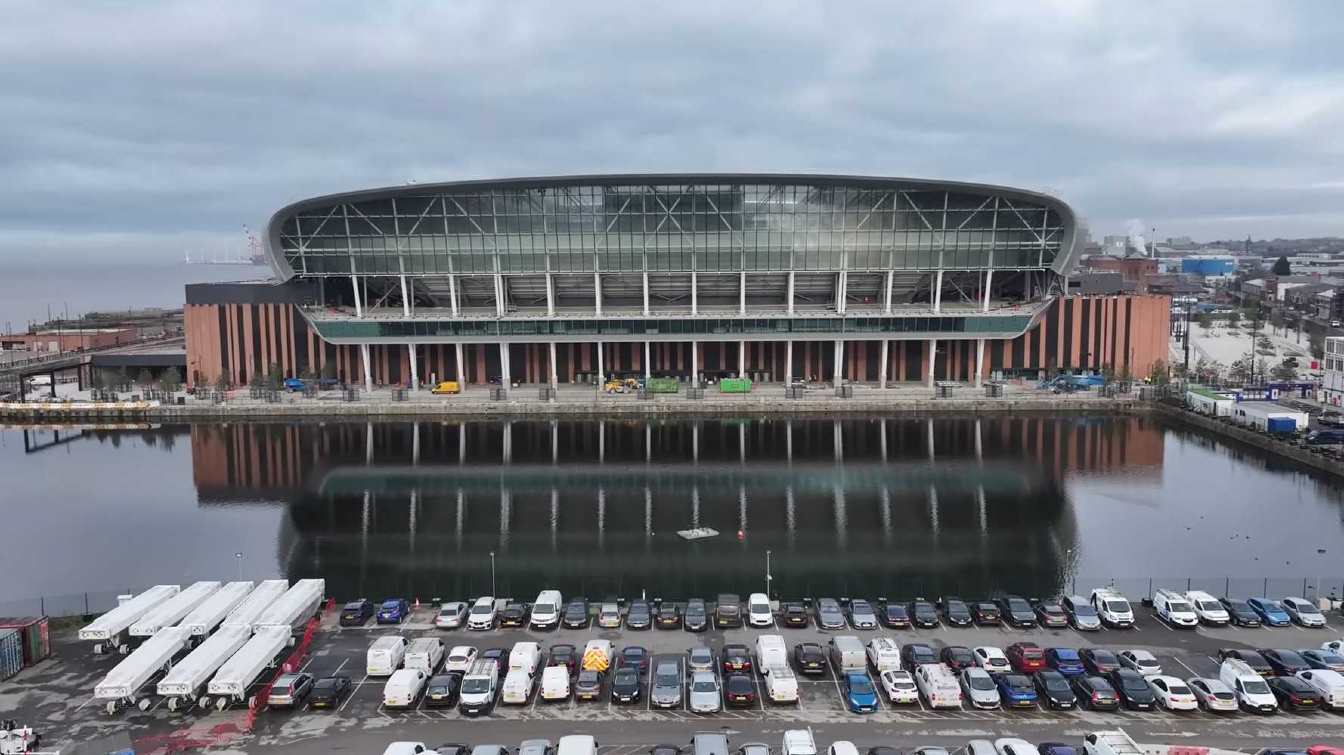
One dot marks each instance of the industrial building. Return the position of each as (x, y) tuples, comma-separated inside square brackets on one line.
[(559, 280)]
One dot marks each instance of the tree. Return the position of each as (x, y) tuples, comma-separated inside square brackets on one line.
[(144, 377), (1204, 320), (1233, 318), (1281, 267), (1318, 347), (170, 382), (1157, 375), (1283, 372), (1240, 370)]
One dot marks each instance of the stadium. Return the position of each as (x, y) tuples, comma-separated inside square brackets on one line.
[(696, 276)]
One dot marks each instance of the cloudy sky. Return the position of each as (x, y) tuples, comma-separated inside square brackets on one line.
[(152, 128)]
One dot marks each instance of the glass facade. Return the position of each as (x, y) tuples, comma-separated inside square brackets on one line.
[(618, 223)]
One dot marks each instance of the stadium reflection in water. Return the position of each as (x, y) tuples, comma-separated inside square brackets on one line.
[(897, 507)]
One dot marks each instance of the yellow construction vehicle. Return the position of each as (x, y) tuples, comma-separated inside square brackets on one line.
[(614, 386)]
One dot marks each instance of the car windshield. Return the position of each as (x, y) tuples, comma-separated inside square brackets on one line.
[(703, 686), (1179, 689), (626, 676), (861, 685), (1018, 605), (324, 684), (1133, 684), (1056, 683), (1272, 605), (1308, 609), (981, 682), (481, 610), (1178, 605), (667, 680), (474, 685), (1104, 657), (760, 608), (1255, 687), (1117, 606), (1084, 610), (588, 677), (1210, 605)]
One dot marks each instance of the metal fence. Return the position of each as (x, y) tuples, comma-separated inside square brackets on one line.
[(71, 604)]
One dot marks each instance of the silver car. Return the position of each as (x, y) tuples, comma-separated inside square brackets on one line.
[(699, 658), (705, 697), (666, 687), (829, 615), (862, 614), (1212, 695), (451, 615), (609, 616), (979, 688)]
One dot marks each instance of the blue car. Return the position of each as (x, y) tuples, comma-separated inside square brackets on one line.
[(1066, 661), (1270, 611), (1016, 690), (294, 385), (393, 611), (860, 695)]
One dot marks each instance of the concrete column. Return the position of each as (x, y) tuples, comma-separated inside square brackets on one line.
[(555, 377), (695, 366), (354, 285), (788, 362), (841, 283), (938, 292), (790, 302), (741, 358), (933, 358), (601, 373), (499, 295), (461, 366), (368, 371), (979, 361), (415, 368), (989, 279), (742, 293), (452, 293), (506, 380), (648, 364), (839, 362), (550, 295), (597, 292), (886, 304), (405, 299), (646, 294), (882, 365), (695, 307)]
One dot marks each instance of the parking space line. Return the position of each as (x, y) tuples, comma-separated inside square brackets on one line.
[(351, 696), (1187, 668)]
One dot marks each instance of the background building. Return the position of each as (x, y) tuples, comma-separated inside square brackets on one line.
[(561, 279)]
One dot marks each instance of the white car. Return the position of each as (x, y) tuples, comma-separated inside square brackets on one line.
[(1172, 693), (1303, 612), (799, 742), (992, 660), (758, 610), (451, 615), (1329, 683), (1213, 695), (460, 659), (1207, 607), (1173, 608), (900, 687), (1334, 646), (1014, 746), (482, 614), (1141, 661)]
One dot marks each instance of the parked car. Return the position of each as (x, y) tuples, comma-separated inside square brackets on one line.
[(443, 690), (626, 686), (829, 615), (356, 613), (1017, 612), (955, 612), (1095, 693), (1026, 657), (1323, 659), (609, 615), (794, 615), (451, 615), (1133, 689), (695, 617), (1051, 614), (862, 615), (639, 615), (957, 657), (739, 691), (1082, 616), (977, 685), (1054, 688), (1284, 662), (1240, 612), (704, 695), (1295, 694), (1066, 661), (290, 690), (1141, 661), (1173, 608), (1330, 684), (565, 655), (514, 615), (857, 690), (992, 659), (667, 616), (1099, 661), (1251, 658), (1303, 612), (635, 657), (328, 692), (459, 659), (393, 611), (900, 686), (1016, 690), (1271, 612), (1172, 693), (665, 687), (735, 657), (588, 685), (576, 614), (728, 611), (810, 658), (1213, 695), (923, 613), (895, 616), (699, 658), (759, 613), (1210, 611), (915, 654), (986, 614)]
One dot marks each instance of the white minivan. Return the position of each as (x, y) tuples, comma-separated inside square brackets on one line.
[(546, 609), (481, 617), (1329, 683), (781, 686), (1174, 609), (771, 650), (884, 654), (385, 656), (403, 688), (525, 656), (1113, 607), (425, 654), (576, 744), (1252, 692), (555, 683), (1207, 607), (517, 687), (758, 610)]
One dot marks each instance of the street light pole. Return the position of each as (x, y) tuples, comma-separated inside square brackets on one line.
[(767, 575), (239, 558), (492, 574)]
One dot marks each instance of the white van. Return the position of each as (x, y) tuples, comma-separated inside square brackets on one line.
[(403, 688), (425, 654), (555, 683), (847, 654), (597, 655), (771, 650), (1174, 609), (1329, 683), (517, 687), (1252, 692), (799, 742), (1207, 608), (781, 686), (479, 687), (758, 610), (546, 609), (842, 747), (1113, 607), (1115, 742), (385, 655), (576, 744), (481, 617), (884, 654), (525, 656), (939, 685)]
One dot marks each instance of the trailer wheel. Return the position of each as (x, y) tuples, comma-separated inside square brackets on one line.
[(143, 704), (221, 703), (97, 648), (172, 704), (203, 702), (111, 707)]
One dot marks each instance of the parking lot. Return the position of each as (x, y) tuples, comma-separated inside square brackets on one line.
[(57, 697)]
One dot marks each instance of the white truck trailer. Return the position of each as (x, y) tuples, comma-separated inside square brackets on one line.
[(184, 686), (123, 684), (244, 669), (292, 611), (109, 630), (208, 615), (174, 609), (246, 613)]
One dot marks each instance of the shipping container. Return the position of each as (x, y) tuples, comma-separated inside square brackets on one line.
[(35, 636), (11, 653), (663, 385), (735, 385)]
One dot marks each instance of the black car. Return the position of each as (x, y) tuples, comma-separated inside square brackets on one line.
[(564, 655), (1017, 612), (957, 657), (668, 616), (1251, 658), (356, 612), (739, 691), (1285, 662), (1050, 614), (513, 615), (923, 613), (696, 617), (794, 615), (916, 653), (735, 658), (576, 614), (1099, 661), (986, 614), (328, 692), (894, 616), (1095, 693), (1240, 612), (728, 611), (810, 658), (633, 656), (1054, 689), (1294, 694), (499, 655), (1133, 689), (639, 615), (442, 690), (664, 750), (625, 686), (955, 612)]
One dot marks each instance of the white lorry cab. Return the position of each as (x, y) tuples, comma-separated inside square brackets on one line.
[(847, 654), (403, 688), (781, 686), (884, 654), (1173, 608), (546, 609), (771, 650), (938, 685), (1252, 692), (1207, 608), (555, 683), (517, 687), (385, 656), (425, 654), (1113, 607), (481, 617), (525, 656)]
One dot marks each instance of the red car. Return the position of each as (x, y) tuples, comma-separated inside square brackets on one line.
[(1025, 657), (1324, 750)]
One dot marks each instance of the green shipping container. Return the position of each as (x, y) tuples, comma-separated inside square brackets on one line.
[(663, 385), (735, 385)]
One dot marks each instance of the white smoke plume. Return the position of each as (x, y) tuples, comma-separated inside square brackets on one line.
[(1135, 230)]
